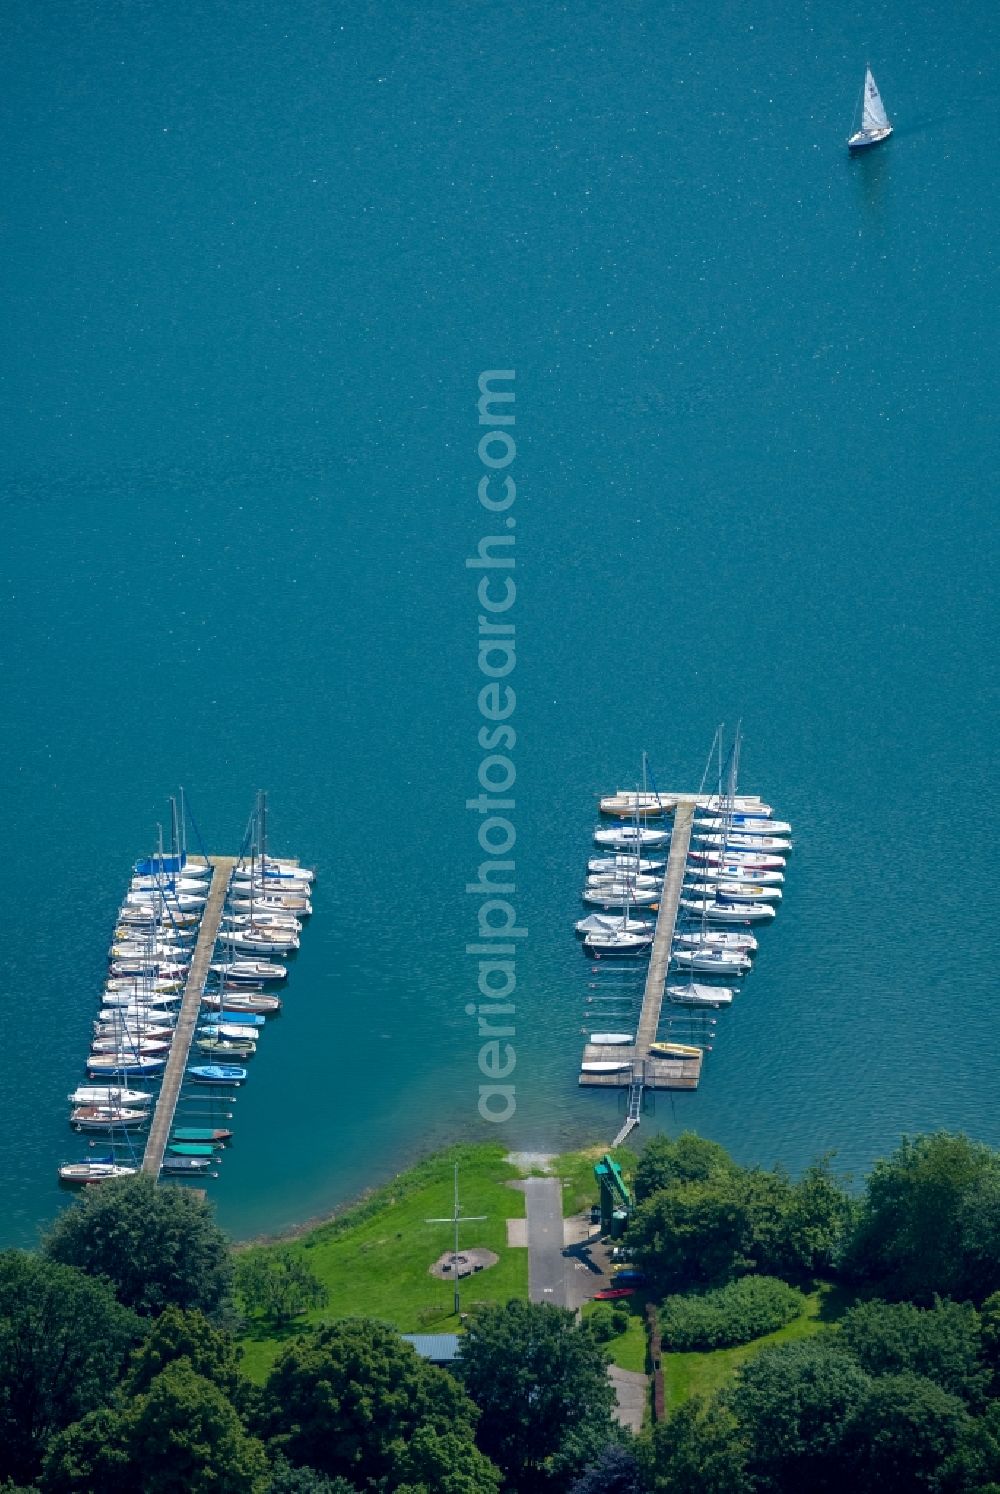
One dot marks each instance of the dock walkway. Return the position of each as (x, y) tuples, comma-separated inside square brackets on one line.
[(644, 1071), (180, 1048)]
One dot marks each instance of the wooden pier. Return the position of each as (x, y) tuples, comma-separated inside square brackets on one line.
[(641, 1070), (180, 1048)]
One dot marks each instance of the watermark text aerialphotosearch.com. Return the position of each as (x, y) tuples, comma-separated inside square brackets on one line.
[(497, 931)]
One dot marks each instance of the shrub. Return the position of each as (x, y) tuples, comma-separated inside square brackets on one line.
[(732, 1314), (601, 1323)]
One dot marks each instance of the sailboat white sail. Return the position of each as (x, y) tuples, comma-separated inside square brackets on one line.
[(875, 125)]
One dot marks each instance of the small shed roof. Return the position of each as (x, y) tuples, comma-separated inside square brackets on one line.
[(442, 1348)]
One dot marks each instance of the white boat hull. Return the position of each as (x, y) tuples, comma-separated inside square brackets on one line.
[(734, 842), (742, 825), (598, 944), (102, 1094), (598, 921), (865, 139), (697, 995), (623, 865), (93, 1172), (728, 912), (717, 939), (609, 897), (727, 872), (624, 839), (750, 859), (749, 892), (711, 962)]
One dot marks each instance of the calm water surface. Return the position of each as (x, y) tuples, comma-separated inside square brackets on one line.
[(255, 259)]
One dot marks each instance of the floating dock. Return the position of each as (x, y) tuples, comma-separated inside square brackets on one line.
[(640, 1070), (187, 1021)]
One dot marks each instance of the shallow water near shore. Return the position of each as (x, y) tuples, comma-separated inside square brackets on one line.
[(257, 263)]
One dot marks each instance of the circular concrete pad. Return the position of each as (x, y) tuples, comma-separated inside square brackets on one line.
[(451, 1266)]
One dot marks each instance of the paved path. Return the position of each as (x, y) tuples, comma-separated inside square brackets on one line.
[(632, 1389), (546, 1266)]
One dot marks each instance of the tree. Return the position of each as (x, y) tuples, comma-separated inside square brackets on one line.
[(63, 1340), (900, 1435), (690, 1234), (346, 1398), (817, 1221), (156, 1246), (288, 1479), (793, 1404), (688, 1159), (185, 1437), (926, 1220), (701, 1448), (616, 1471), (942, 1343), (443, 1463), (541, 1385), (278, 1283), (91, 1455), (175, 1335)]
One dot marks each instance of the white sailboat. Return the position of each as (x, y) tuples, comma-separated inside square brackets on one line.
[(751, 892), (733, 842), (875, 125), (742, 824), (717, 939), (621, 895), (732, 872), (710, 961), (624, 864), (102, 1094), (694, 994), (728, 912), (628, 838), (605, 922), (749, 859)]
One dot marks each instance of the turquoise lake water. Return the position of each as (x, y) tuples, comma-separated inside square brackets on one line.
[(255, 259)]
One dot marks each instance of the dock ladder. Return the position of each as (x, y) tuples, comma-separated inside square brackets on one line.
[(634, 1114)]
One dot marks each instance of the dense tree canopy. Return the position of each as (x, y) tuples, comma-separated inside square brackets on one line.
[(794, 1404), (930, 1221), (347, 1398), (186, 1438), (63, 1340), (616, 1471), (901, 1434), (176, 1334), (541, 1384), (942, 1343), (443, 1463), (701, 1449), (702, 1219), (688, 1159), (157, 1246)]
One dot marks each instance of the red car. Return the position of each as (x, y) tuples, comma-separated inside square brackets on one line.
[(610, 1293)]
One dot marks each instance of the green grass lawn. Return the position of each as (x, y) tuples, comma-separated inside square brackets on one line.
[(630, 1350), (691, 1374), (576, 1169), (373, 1259)]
